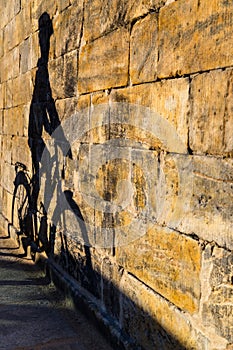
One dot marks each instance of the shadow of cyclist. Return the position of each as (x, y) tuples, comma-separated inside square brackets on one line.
[(44, 117), (43, 114)]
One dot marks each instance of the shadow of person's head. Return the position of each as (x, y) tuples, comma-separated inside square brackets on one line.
[(45, 32)]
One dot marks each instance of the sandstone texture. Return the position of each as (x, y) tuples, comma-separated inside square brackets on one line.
[(125, 110)]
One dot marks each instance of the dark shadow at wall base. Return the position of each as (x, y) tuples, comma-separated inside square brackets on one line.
[(85, 302)]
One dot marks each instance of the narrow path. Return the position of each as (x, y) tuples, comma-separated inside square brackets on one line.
[(32, 313)]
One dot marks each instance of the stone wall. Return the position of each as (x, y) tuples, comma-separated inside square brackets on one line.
[(140, 211)]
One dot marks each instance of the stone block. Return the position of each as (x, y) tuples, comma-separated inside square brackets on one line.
[(67, 29), (7, 148), (144, 50), (118, 184), (20, 151), (3, 73), (13, 121), (38, 7), (70, 73), (84, 102), (15, 62), (104, 63), (1, 125), (8, 36), (208, 208), (153, 109), (135, 10), (1, 207), (22, 89), (217, 293), (34, 50), (99, 120), (22, 21), (8, 94), (7, 14), (25, 55), (101, 17), (7, 203), (56, 77), (151, 319), (10, 64), (212, 112), (24, 3), (17, 6), (167, 262), (8, 178), (2, 96), (1, 43), (62, 4), (66, 108), (25, 119), (194, 37)]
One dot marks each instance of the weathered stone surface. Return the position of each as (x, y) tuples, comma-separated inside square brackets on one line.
[(1, 126), (67, 29), (194, 37), (8, 94), (63, 75), (17, 6), (217, 295), (144, 50), (212, 112), (13, 121), (38, 7), (15, 62), (34, 50), (62, 4), (10, 65), (167, 262), (7, 198), (2, 94), (3, 73), (1, 43), (22, 89), (56, 77), (7, 180), (66, 107), (147, 316), (21, 151), (70, 73), (167, 99), (7, 13), (98, 112), (101, 17), (208, 210), (84, 102), (113, 176), (24, 54), (22, 21), (7, 148), (25, 119), (104, 63), (144, 149)]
